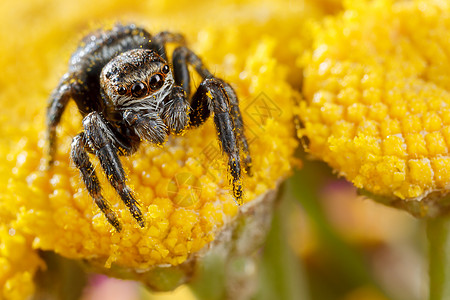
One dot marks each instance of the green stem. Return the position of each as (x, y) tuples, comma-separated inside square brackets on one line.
[(438, 233), (63, 279), (306, 189), (210, 279), (281, 273), (306, 186)]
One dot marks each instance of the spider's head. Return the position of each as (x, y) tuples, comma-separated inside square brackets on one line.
[(137, 79)]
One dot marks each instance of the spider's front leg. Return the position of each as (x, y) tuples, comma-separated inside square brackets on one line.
[(239, 125), (87, 170), (212, 96), (159, 41), (182, 56), (102, 141), (215, 95)]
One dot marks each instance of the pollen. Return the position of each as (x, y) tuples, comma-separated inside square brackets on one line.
[(384, 122)]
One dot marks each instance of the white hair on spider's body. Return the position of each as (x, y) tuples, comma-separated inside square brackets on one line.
[(162, 114), (151, 102), (128, 68)]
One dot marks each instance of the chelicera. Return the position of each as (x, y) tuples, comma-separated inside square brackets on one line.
[(127, 92)]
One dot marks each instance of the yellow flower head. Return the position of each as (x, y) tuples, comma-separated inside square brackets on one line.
[(377, 101)]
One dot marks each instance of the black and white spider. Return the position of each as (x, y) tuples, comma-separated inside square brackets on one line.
[(127, 92)]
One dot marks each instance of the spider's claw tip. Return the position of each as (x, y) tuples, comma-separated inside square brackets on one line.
[(139, 217), (141, 223), (237, 192), (112, 219)]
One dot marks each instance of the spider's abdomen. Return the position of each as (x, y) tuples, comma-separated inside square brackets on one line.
[(99, 47)]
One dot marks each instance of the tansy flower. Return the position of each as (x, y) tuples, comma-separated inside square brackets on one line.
[(182, 188), (376, 108)]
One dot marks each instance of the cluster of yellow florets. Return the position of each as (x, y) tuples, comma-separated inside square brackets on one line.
[(377, 104)]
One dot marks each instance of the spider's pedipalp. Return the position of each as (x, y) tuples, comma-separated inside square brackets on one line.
[(148, 126), (176, 111)]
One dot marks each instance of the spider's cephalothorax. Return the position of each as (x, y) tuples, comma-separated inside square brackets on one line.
[(127, 92)]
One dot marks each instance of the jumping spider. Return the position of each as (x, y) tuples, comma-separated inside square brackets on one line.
[(127, 92)]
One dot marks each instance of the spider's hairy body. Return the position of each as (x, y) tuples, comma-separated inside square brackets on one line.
[(127, 92)]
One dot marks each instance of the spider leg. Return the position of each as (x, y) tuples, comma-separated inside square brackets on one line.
[(102, 141), (56, 106), (182, 56), (211, 96), (160, 40), (239, 125), (82, 162), (214, 94)]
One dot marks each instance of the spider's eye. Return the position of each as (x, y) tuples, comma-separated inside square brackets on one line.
[(165, 69), (122, 90), (156, 82), (138, 89)]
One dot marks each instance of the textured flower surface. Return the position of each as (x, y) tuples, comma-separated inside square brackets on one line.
[(376, 88), (183, 187), (18, 263)]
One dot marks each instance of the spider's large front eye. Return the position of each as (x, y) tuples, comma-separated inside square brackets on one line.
[(138, 89), (121, 90), (156, 82)]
